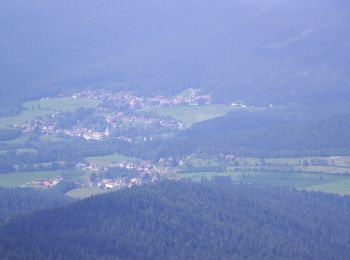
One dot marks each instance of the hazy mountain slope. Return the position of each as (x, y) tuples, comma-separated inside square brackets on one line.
[(273, 49), (182, 221)]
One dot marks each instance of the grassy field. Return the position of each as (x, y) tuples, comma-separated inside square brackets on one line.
[(193, 114), (33, 109), (319, 182), (26, 150), (85, 192), (17, 179), (109, 159), (339, 161), (342, 188), (326, 165), (21, 151), (21, 140), (51, 138)]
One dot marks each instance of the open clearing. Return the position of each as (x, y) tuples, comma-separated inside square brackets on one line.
[(34, 109), (339, 184), (17, 179), (109, 159), (189, 115), (85, 192), (342, 188), (51, 138), (326, 165)]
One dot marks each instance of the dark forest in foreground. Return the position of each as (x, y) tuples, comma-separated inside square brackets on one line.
[(186, 220)]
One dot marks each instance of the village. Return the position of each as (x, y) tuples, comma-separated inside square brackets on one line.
[(120, 112), (125, 174), (118, 116)]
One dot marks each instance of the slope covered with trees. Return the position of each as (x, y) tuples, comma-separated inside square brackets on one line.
[(274, 133), (186, 220), (16, 202)]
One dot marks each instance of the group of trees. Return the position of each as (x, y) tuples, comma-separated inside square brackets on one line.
[(186, 221), (84, 117)]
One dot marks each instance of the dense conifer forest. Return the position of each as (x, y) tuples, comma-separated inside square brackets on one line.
[(15, 202), (186, 220)]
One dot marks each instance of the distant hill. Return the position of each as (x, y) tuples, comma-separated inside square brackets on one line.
[(186, 221), (263, 51)]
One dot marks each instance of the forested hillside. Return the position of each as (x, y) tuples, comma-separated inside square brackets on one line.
[(266, 51), (274, 133), (17, 202), (186, 220)]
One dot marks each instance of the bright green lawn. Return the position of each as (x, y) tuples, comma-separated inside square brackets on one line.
[(33, 109)]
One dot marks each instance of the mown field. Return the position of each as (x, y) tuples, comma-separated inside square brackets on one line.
[(189, 115), (85, 192), (328, 174), (33, 109), (109, 159), (17, 179), (310, 181)]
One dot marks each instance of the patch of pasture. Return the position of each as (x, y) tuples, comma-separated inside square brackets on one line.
[(311, 181), (109, 159), (85, 192), (26, 150), (37, 108), (341, 187), (52, 138), (17, 179), (189, 115)]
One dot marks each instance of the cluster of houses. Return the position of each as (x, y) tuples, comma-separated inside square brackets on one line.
[(134, 102), (45, 125), (116, 120), (142, 172), (120, 183), (146, 173), (140, 120), (87, 134), (43, 183)]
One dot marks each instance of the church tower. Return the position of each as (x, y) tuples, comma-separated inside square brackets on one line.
[(107, 133)]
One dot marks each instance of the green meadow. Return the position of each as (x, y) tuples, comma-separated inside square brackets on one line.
[(342, 187), (310, 181), (34, 109), (85, 192), (189, 115), (17, 179), (51, 138), (109, 159)]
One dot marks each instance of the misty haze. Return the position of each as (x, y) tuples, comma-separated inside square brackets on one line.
[(163, 129)]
